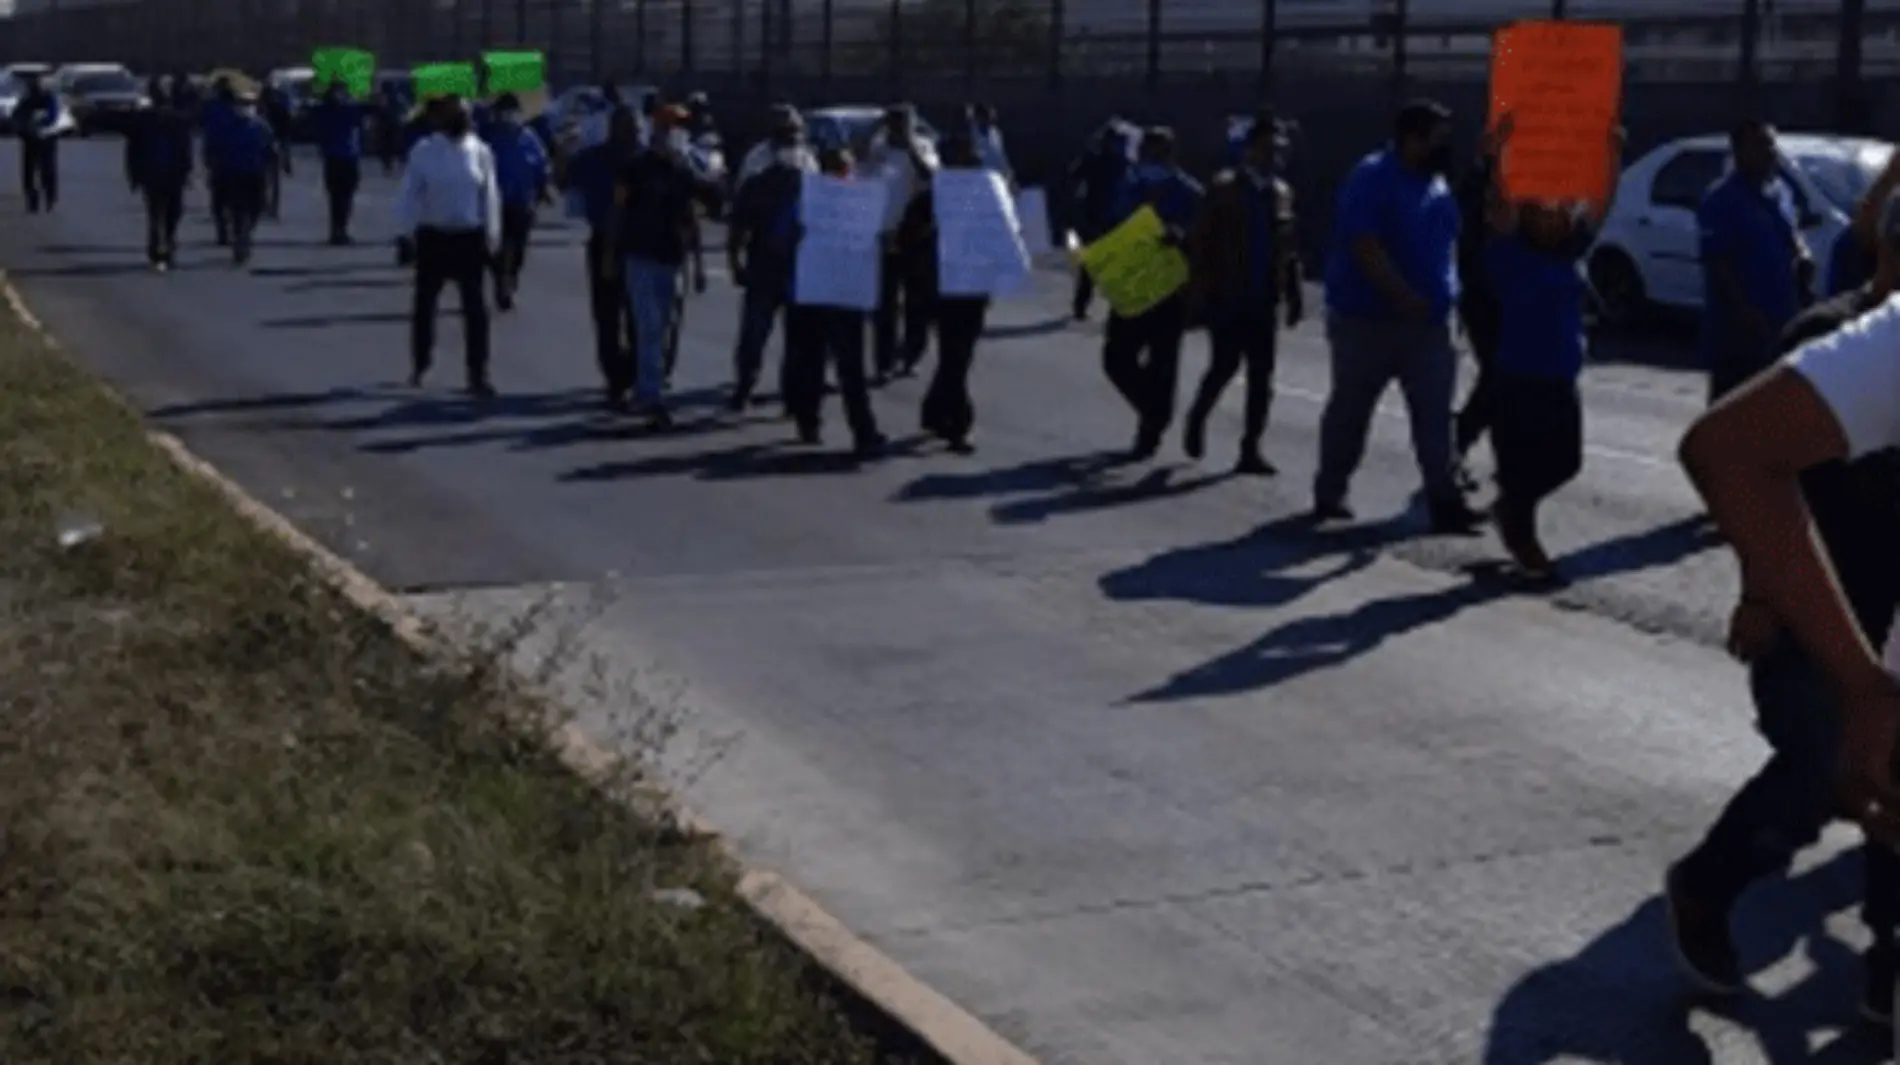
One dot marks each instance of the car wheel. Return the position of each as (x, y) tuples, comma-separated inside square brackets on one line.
[(1620, 297)]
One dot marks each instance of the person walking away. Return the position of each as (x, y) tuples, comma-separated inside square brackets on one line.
[(1246, 268), (275, 101), (817, 337), (990, 149), (589, 175), (522, 168), (673, 125), (338, 123), (158, 167), (1828, 415), (1752, 258), (1094, 184), (1142, 354), (248, 154), (948, 413), (761, 245), (448, 215), (1534, 255), (658, 229), (1477, 302), (218, 122), (1391, 284), (907, 162), (37, 117), (387, 122)]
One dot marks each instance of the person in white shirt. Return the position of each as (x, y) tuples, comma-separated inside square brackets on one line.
[(908, 163), (448, 217), (989, 142)]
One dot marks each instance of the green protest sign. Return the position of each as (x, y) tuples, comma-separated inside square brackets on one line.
[(444, 79), (354, 67), (515, 72)]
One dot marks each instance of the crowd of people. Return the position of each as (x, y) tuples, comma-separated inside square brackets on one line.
[(1798, 457)]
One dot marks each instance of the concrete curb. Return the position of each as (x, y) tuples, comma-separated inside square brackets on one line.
[(951, 1031)]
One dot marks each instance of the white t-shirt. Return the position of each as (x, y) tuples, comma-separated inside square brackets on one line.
[(1856, 372)]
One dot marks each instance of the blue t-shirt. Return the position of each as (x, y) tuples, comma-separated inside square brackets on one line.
[(591, 174), (1753, 229), (1174, 196), (521, 163), (338, 125), (1540, 307), (251, 149), (1414, 217)]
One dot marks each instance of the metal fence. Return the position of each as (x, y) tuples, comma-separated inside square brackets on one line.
[(1048, 43)]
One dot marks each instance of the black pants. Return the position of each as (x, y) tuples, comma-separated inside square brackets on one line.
[(164, 209), (1537, 433), (1084, 293), (341, 177), (218, 184), (817, 337), (613, 319), (244, 202), (1481, 329), (1249, 338), (1142, 358), (901, 296), (39, 172), (948, 411), (443, 257), (517, 222)]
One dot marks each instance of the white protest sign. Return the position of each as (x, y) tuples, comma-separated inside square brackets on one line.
[(839, 253), (979, 242), (1032, 212)]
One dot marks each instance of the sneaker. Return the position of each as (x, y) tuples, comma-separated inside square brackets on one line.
[(1699, 931), (481, 390), (1877, 985), (870, 447), (1252, 464), (1330, 512), (1455, 518)]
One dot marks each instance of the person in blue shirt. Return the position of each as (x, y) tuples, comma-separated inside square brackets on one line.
[(1533, 260), (338, 124), (760, 245), (1142, 354), (387, 114), (522, 170), (1752, 261), (158, 166), (217, 123), (1094, 182), (1391, 284), (36, 120), (245, 153), (587, 174), (1245, 268)]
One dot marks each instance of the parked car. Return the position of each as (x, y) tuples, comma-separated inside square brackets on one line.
[(1648, 254), (102, 97), (852, 126)]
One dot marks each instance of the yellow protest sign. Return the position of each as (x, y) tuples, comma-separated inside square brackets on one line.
[(1132, 267)]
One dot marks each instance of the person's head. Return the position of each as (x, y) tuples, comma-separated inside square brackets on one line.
[(246, 102), (898, 121), (1887, 248), (611, 94), (958, 150), (1157, 147), (334, 91), (982, 116), (155, 90), (836, 162), (508, 108), (787, 128), (1422, 134), (669, 128), (452, 117), (698, 103), (1260, 146), (224, 90), (623, 128), (1752, 144)]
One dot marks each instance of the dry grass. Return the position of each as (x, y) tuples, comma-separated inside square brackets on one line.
[(240, 823)]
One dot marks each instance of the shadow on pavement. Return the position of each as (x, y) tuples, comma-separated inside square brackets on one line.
[(326, 321), (118, 269), (1252, 571), (1156, 484), (380, 284), (1620, 1000), (1032, 329), (1666, 342), (1041, 475), (746, 462)]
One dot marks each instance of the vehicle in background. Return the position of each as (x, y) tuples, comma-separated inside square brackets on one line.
[(583, 109), (299, 86), (101, 97), (1649, 253), (853, 126)]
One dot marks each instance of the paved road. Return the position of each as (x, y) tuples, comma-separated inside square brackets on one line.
[(1120, 758)]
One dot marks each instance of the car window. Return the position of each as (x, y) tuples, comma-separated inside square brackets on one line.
[(94, 83), (1682, 181)]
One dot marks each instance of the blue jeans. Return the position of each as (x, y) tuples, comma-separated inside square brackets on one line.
[(653, 290), (1784, 808)]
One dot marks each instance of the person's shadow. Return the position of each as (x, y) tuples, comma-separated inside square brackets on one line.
[(1621, 1000)]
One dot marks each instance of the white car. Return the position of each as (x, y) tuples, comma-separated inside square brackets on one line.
[(1649, 253)]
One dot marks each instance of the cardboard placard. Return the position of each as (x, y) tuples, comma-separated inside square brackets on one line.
[(445, 79), (354, 67), (1562, 85)]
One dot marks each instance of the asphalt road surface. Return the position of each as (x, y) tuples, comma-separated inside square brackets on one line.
[(1120, 758)]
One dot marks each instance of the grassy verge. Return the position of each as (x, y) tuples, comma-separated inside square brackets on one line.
[(240, 822)]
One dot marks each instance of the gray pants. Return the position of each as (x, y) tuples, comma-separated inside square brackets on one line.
[(1367, 356)]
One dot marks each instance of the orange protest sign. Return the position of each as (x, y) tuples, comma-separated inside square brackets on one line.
[(1562, 85)]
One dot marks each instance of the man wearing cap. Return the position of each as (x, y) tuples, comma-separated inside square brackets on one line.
[(448, 215), (1854, 504), (338, 123), (522, 168), (907, 163), (1391, 285), (761, 245)]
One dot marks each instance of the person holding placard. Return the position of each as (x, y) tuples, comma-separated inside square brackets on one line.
[(1477, 303), (1752, 260), (338, 122), (949, 414), (1246, 268), (1391, 285), (1094, 183), (906, 161), (1141, 354), (761, 246)]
